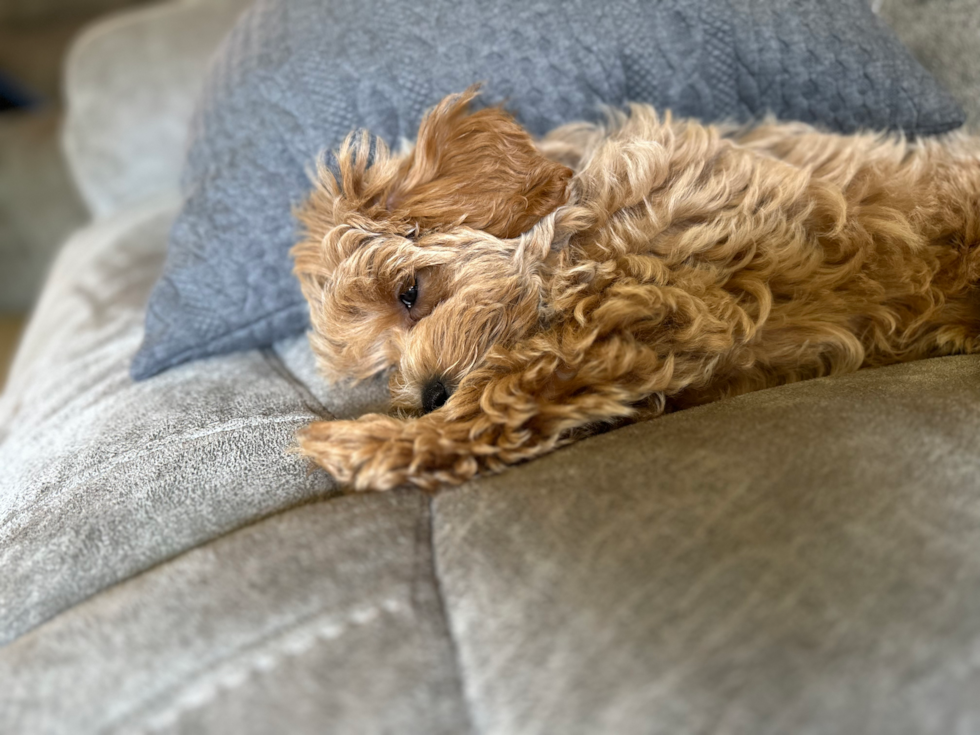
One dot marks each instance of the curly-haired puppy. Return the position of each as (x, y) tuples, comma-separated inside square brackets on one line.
[(521, 302)]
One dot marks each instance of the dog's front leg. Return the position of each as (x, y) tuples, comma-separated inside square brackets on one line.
[(374, 452), (377, 452), (495, 419)]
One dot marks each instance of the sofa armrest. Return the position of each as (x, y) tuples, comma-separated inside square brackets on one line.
[(131, 82)]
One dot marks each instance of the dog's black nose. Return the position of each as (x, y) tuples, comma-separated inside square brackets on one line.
[(434, 394)]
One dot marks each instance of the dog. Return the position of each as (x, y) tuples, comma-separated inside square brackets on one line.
[(523, 294)]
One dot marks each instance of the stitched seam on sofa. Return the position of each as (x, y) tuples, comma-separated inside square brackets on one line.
[(236, 668), (447, 623), (302, 390), (152, 448)]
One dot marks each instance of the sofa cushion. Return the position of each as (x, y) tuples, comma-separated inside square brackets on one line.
[(297, 75), (130, 85), (322, 619), (100, 477), (802, 559)]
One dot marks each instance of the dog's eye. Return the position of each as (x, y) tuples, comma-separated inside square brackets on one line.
[(408, 297)]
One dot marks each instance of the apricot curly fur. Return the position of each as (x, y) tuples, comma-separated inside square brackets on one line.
[(659, 264)]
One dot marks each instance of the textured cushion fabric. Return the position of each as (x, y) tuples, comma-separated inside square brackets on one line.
[(800, 560), (101, 478), (325, 619), (803, 559), (295, 76), (130, 86)]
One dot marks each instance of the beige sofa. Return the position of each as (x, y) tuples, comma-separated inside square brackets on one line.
[(800, 560)]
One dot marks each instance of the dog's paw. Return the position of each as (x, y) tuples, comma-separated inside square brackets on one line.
[(378, 452), (366, 454)]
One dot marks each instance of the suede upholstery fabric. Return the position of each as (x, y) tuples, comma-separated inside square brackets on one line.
[(803, 559), (296, 76), (271, 620), (101, 477), (800, 560)]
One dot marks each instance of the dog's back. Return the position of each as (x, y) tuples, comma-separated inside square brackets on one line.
[(810, 252)]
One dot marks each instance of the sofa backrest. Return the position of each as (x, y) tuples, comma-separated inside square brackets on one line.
[(131, 81)]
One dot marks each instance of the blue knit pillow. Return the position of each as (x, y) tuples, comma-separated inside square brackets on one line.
[(295, 76)]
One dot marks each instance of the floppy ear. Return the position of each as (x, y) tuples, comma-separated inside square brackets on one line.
[(479, 168)]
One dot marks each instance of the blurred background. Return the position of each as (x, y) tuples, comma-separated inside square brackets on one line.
[(39, 206)]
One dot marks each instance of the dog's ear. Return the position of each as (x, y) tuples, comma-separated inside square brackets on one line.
[(317, 213), (478, 168)]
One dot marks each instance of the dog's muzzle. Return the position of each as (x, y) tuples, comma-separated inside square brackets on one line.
[(434, 394)]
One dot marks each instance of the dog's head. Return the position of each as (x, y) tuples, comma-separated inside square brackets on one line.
[(429, 257)]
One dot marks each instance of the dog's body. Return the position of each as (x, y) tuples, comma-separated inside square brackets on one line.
[(677, 264)]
